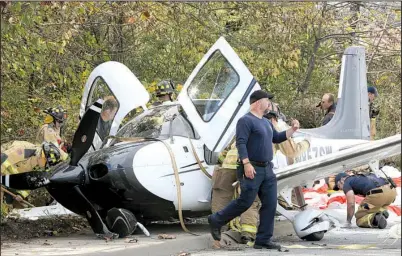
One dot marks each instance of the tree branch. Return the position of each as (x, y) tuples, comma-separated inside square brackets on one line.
[(378, 42)]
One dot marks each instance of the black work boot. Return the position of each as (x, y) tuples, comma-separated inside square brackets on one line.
[(268, 245), (215, 231), (380, 221), (386, 214)]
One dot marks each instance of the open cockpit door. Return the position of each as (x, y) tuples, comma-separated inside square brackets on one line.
[(120, 91), (217, 94)]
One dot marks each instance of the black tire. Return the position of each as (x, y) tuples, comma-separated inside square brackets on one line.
[(121, 221), (317, 236)]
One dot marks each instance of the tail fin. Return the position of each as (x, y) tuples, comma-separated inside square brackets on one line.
[(351, 119)]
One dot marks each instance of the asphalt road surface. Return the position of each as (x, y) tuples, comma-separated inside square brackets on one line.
[(355, 241)]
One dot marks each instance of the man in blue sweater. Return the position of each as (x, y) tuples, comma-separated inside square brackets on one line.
[(254, 138)]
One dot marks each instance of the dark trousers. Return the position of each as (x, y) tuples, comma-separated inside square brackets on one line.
[(264, 185)]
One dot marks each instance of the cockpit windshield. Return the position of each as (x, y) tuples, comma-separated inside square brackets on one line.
[(159, 122)]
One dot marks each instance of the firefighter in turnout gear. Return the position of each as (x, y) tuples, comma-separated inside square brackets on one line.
[(164, 92), (50, 131), (21, 156), (224, 192), (374, 110), (290, 149), (379, 193)]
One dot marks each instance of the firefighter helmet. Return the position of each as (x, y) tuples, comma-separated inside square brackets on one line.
[(164, 87)]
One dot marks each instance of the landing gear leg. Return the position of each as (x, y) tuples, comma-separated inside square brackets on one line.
[(95, 221)]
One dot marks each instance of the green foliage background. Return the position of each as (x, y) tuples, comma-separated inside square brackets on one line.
[(293, 49)]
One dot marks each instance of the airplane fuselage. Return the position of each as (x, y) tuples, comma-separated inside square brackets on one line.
[(139, 176)]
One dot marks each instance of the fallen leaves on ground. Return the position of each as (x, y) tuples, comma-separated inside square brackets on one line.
[(166, 236), (131, 240), (184, 254)]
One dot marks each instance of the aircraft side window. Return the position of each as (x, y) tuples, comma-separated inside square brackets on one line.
[(212, 85), (100, 90), (181, 127)]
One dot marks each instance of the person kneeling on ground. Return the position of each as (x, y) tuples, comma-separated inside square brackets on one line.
[(378, 192)]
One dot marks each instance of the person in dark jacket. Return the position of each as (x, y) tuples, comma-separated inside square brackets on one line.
[(254, 138), (327, 104)]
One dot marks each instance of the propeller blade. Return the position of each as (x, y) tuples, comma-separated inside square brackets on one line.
[(26, 181), (85, 133)]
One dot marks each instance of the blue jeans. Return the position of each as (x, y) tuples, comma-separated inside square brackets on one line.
[(264, 185)]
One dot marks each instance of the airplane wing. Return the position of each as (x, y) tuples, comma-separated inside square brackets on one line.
[(318, 168)]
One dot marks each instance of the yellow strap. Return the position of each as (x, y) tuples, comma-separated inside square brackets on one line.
[(198, 160), (175, 169), (235, 223)]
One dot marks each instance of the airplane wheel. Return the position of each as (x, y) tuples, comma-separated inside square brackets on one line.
[(317, 236), (121, 221)]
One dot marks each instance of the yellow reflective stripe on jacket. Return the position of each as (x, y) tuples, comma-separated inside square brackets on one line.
[(230, 161), (249, 228), (235, 224), (23, 193), (9, 168)]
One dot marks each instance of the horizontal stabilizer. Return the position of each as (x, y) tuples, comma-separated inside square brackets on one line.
[(318, 168)]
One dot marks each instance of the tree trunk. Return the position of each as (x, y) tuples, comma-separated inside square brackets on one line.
[(120, 22), (354, 21), (311, 63)]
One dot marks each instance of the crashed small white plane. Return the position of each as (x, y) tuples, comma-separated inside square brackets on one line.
[(158, 165)]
